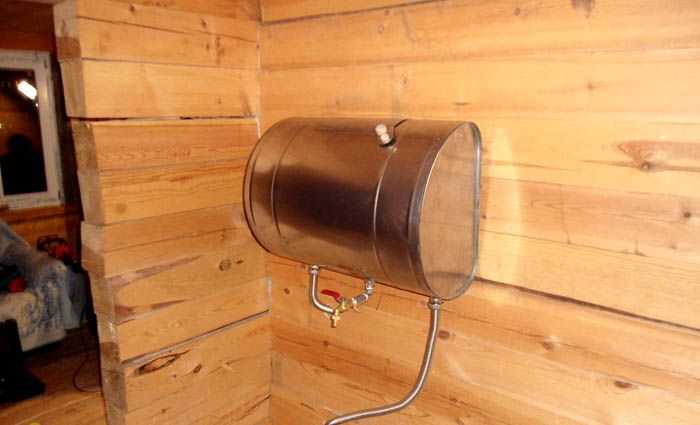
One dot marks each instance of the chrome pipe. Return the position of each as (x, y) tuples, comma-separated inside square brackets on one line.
[(364, 297), (313, 291), (434, 304)]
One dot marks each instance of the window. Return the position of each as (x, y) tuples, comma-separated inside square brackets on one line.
[(29, 153)]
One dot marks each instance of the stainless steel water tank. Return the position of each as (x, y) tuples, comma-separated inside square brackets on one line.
[(324, 191)]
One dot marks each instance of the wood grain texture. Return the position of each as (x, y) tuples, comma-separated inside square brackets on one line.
[(132, 233), (90, 39), (157, 16), (102, 145), (174, 269), (205, 369), (465, 29), (150, 290), (186, 365), (182, 321), (659, 226), (277, 10), (654, 158), (122, 89), (143, 257), (563, 332), (493, 360), (658, 289), (443, 402), (246, 9), (130, 194), (604, 86)]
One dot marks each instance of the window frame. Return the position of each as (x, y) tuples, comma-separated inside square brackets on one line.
[(40, 63)]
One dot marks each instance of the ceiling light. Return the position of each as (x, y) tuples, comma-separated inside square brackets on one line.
[(27, 89)]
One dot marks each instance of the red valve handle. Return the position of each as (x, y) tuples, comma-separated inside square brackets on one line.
[(333, 294)]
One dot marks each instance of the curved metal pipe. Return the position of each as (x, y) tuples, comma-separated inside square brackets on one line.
[(434, 304), (313, 291)]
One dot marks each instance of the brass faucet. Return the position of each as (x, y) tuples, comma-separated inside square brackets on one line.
[(343, 305)]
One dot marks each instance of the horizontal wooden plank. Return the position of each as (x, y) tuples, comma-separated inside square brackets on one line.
[(131, 194), (99, 89), (108, 145), (173, 370), (536, 325), (287, 408), (637, 157), (200, 404), (248, 9), (126, 234), (82, 38), (275, 10), (444, 401), (253, 410), (182, 321), (147, 259), (464, 29), (147, 291), (638, 87), (660, 226), (391, 351), (654, 288), (159, 16)]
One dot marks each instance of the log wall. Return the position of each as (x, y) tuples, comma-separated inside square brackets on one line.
[(587, 307), (163, 101)]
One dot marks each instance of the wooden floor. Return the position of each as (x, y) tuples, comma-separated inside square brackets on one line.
[(62, 404)]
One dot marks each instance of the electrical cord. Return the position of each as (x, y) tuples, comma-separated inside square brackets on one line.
[(85, 358)]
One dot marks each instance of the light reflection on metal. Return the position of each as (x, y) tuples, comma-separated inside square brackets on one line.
[(387, 200)]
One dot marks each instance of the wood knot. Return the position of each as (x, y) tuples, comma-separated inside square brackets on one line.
[(443, 334), (647, 166), (687, 214), (550, 344), (132, 8), (517, 11), (225, 265), (157, 364), (326, 343), (197, 368), (623, 385), (287, 291)]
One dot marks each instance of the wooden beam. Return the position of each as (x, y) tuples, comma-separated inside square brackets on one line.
[(120, 89), (182, 321), (659, 226), (130, 194), (127, 234), (602, 87), (81, 38), (175, 369), (465, 29), (103, 144), (145, 14), (243, 9), (276, 10)]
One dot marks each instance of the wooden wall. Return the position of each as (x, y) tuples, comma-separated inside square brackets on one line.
[(164, 104), (587, 308)]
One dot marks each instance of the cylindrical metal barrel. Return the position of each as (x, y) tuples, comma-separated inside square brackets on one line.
[(325, 191)]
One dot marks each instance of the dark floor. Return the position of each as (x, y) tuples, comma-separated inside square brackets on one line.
[(62, 403)]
